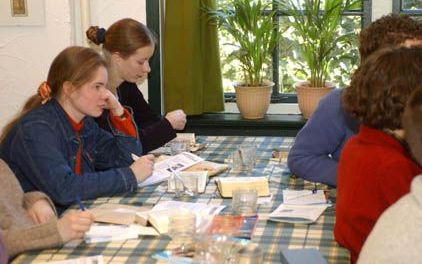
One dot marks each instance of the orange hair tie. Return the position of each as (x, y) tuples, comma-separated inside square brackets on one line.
[(44, 91)]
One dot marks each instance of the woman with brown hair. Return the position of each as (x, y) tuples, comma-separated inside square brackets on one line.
[(128, 45), (375, 167), (55, 146)]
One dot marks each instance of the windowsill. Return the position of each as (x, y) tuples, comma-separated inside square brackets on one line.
[(234, 124), (280, 108)]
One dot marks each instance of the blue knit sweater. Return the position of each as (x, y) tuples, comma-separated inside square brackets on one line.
[(318, 144)]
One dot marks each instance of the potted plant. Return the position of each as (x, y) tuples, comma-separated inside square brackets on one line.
[(255, 36), (316, 24)]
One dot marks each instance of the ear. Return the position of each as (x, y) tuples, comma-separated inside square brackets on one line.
[(116, 57), (67, 88)]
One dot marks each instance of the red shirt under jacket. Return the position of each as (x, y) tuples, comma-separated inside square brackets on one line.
[(374, 171)]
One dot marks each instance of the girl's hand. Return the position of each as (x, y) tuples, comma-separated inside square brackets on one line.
[(177, 119), (142, 167), (113, 104), (74, 224), (41, 212)]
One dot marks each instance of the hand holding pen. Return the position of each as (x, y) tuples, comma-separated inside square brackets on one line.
[(142, 167)]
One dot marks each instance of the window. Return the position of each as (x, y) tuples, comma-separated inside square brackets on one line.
[(410, 7), (284, 69)]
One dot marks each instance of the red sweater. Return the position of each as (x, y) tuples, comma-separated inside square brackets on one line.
[(374, 171)]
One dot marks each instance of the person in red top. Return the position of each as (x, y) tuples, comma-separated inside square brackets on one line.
[(375, 168)]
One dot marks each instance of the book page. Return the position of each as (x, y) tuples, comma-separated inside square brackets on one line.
[(162, 169)]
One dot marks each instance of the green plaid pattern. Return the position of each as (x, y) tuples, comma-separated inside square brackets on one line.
[(271, 236)]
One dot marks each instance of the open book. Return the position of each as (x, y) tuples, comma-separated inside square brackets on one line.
[(163, 168), (159, 216), (300, 207)]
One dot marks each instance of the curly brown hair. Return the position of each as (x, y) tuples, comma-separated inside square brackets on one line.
[(389, 30), (412, 124), (381, 86)]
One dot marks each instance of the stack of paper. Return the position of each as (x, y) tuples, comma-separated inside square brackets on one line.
[(301, 207)]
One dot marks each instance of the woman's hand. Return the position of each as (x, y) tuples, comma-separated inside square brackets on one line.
[(41, 212), (74, 224), (113, 104), (142, 167), (177, 119)]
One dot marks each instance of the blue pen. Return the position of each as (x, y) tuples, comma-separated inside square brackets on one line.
[(79, 202)]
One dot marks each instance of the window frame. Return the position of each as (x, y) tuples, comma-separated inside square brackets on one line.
[(153, 16), (397, 4)]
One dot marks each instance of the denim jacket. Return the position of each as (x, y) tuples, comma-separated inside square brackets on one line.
[(41, 150)]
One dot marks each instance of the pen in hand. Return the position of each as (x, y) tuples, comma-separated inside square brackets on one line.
[(134, 156), (79, 202)]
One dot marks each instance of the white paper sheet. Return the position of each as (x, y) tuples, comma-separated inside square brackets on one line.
[(177, 163)]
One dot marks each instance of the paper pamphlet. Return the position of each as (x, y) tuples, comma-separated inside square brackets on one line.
[(106, 233), (300, 214), (233, 225), (158, 217), (303, 197), (162, 169), (83, 260), (300, 206)]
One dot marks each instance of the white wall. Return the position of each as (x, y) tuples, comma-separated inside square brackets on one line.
[(26, 52)]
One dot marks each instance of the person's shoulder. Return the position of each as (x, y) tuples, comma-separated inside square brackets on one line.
[(416, 188), (127, 86), (332, 99)]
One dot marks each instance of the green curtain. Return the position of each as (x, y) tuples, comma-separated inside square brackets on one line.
[(192, 73)]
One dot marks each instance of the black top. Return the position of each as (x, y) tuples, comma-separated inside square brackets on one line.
[(154, 131)]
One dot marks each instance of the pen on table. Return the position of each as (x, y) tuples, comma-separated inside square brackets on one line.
[(79, 202)]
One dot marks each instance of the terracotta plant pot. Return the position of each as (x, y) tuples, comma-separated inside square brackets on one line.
[(308, 97), (253, 101)]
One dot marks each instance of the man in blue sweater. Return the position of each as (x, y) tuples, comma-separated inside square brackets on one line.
[(315, 153)]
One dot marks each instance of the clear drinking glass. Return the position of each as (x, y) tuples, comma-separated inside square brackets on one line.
[(178, 146), (249, 254), (244, 201), (182, 230)]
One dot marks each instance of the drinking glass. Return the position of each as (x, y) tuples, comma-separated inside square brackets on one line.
[(244, 201), (182, 229)]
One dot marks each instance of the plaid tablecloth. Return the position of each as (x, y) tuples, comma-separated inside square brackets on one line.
[(271, 236)]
